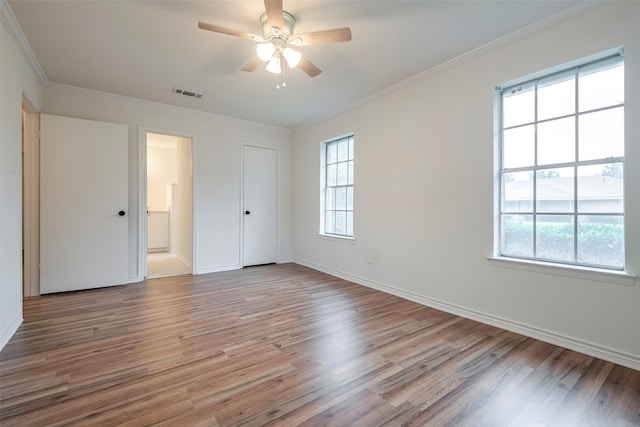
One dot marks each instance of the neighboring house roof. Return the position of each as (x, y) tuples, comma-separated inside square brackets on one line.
[(590, 187)]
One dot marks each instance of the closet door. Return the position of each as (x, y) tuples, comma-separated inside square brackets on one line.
[(260, 201), (83, 204)]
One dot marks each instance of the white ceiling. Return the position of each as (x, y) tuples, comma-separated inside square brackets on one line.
[(143, 49)]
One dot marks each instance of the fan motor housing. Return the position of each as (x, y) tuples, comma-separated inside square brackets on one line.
[(289, 24)]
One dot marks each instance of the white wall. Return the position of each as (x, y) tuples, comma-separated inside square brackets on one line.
[(216, 167), (424, 194), (16, 78), (162, 169)]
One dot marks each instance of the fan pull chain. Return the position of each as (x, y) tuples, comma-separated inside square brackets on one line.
[(284, 80)]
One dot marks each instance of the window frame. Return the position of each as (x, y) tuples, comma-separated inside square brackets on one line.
[(573, 268), (324, 185)]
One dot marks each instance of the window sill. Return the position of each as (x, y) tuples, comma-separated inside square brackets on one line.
[(344, 239), (595, 274)]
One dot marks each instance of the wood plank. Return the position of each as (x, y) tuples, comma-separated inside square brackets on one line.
[(287, 345)]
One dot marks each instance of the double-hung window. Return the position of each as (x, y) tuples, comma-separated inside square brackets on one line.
[(336, 200), (562, 166)]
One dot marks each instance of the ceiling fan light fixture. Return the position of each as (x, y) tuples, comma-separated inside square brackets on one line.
[(274, 65), (293, 57), (265, 51)]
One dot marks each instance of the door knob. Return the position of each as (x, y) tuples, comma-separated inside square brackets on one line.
[(122, 213), (247, 212)]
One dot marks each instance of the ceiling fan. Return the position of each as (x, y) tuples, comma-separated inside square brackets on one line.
[(279, 40)]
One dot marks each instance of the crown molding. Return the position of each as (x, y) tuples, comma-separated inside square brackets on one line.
[(518, 35), (10, 22)]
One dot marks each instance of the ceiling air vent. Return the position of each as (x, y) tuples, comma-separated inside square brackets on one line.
[(187, 93)]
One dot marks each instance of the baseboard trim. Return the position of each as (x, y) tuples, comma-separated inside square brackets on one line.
[(10, 330), (591, 349), (134, 279), (284, 260), (216, 269)]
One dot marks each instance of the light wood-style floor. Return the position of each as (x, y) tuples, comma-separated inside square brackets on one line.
[(287, 345)]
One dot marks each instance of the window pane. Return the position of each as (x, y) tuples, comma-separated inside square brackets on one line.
[(350, 176), (341, 198), (329, 222), (599, 231), (342, 173), (554, 237), (330, 200), (349, 198), (517, 235), (601, 134), (349, 223), (343, 150), (600, 86), (556, 141), (556, 96), (341, 223), (331, 174), (518, 105), (518, 148), (351, 149), (554, 190), (562, 151), (600, 188), (332, 152), (517, 192)]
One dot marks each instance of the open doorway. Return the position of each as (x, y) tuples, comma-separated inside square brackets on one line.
[(169, 230)]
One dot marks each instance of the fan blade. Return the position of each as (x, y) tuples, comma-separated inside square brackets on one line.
[(308, 67), (274, 13), (326, 36), (253, 64), (223, 30)]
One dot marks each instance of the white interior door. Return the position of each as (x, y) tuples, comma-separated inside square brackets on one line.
[(260, 194), (83, 204)]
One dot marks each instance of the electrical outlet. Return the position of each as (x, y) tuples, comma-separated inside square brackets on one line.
[(369, 258)]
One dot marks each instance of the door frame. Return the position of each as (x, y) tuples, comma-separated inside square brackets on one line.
[(242, 208), (142, 198), (30, 200)]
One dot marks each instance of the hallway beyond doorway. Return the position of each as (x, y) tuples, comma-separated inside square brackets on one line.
[(165, 264)]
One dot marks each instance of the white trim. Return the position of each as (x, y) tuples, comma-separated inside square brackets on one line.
[(30, 200), (219, 268), (337, 237), (574, 271), (13, 28), (591, 349), (285, 260), (10, 330), (142, 204)]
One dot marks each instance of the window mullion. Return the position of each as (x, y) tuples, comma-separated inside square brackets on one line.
[(577, 159), (535, 173)]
